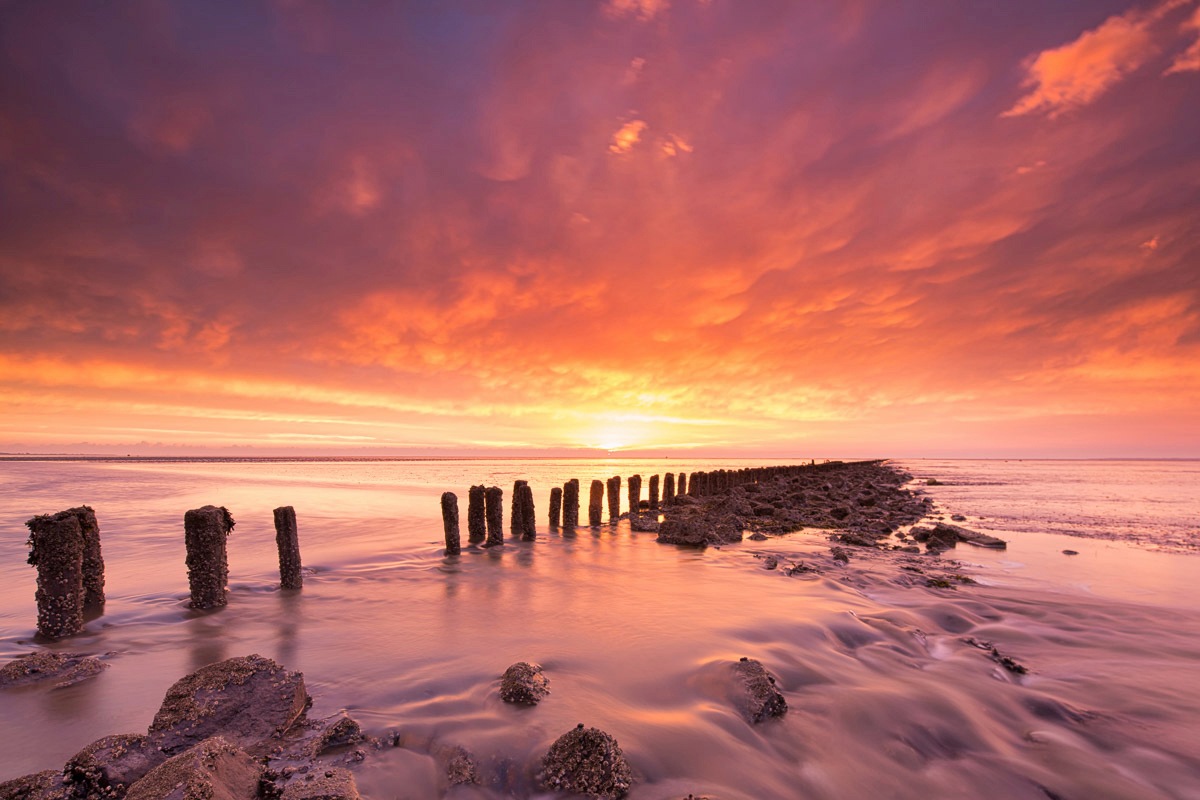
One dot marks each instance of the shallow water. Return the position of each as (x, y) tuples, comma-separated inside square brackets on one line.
[(886, 696)]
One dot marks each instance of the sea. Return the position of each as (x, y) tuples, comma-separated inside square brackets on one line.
[(893, 687)]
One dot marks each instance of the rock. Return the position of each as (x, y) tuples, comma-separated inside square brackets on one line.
[(107, 767), (759, 699), (334, 783), (933, 482), (214, 769), (694, 530), (460, 769), (770, 562), (308, 739), (951, 533), (586, 761), (65, 669), (856, 538), (840, 554), (524, 683), (1070, 552), (248, 700), (643, 523), (958, 518), (758, 537), (46, 785)]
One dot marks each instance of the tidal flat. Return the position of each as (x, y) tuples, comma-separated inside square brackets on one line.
[(973, 672)]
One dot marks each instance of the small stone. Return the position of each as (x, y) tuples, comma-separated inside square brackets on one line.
[(759, 698), (65, 669), (524, 683), (586, 761), (1070, 552)]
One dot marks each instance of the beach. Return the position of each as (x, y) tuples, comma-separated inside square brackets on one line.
[(893, 663)]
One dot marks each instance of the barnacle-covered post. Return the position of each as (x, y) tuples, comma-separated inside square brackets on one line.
[(595, 503), (205, 531), (682, 487), (287, 539), (614, 498), (450, 523), (476, 516), (668, 488), (556, 499), (653, 492), (93, 561), (635, 494), (56, 549), (571, 504), (528, 514), (494, 498), (516, 521)]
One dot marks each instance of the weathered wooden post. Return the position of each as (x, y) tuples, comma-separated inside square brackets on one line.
[(635, 494), (516, 523), (571, 504), (494, 499), (450, 523), (93, 561), (205, 531), (614, 499), (682, 487), (288, 541), (528, 514), (56, 549), (668, 488), (556, 498), (694, 484), (595, 503), (653, 492), (476, 516)]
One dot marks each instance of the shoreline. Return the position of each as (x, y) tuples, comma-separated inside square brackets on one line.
[(876, 639)]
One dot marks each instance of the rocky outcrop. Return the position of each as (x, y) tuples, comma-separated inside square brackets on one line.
[(47, 785), (64, 669), (586, 761), (214, 769), (106, 768), (248, 700), (942, 537), (758, 697), (334, 783), (524, 683)]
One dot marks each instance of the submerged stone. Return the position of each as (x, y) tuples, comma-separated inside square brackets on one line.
[(760, 699), (65, 669), (524, 683), (587, 761)]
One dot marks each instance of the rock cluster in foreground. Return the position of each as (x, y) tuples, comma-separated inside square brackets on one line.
[(234, 730)]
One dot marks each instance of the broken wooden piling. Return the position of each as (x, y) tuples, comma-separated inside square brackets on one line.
[(556, 500), (570, 511), (287, 540), (450, 523), (476, 515), (614, 499), (595, 503), (494, 501), (206, 530), (56, 549)]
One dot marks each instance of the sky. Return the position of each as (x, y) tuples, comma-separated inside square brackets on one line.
[(684, 227)]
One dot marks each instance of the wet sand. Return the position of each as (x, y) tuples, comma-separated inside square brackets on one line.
[(892, 684)]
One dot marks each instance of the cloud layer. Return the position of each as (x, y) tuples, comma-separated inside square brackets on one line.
[(777, 230)]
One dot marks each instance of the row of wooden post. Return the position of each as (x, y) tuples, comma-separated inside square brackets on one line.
[(65, 548), (485, 514)]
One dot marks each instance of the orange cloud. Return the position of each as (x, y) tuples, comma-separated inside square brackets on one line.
[(1077, 73), (1189, 59), (627, 136)]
